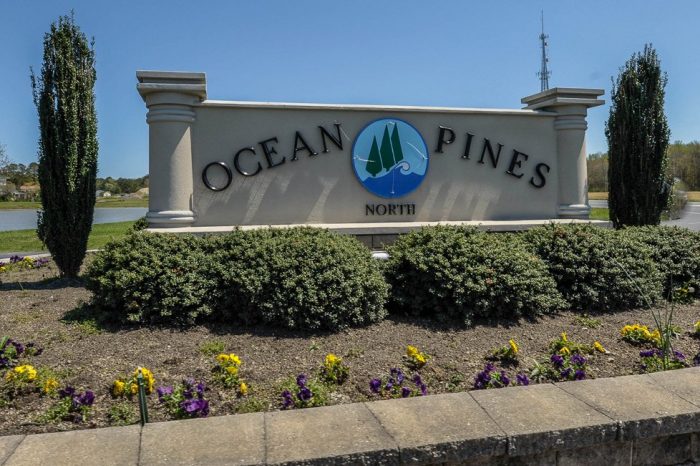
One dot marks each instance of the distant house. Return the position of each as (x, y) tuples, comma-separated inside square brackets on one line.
[(26, 192), (101, 193)]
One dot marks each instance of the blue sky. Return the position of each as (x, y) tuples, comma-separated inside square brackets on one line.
[(403, 52)]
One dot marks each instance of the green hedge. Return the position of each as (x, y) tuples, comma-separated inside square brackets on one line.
[(458, 273), (296, 278), (596, 268), (152, 278), (675, 251)]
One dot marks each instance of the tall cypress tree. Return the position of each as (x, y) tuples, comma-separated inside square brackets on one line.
[(65, 101), (638, 134)]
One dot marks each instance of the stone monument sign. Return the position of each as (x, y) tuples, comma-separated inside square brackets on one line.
[(216, 165)]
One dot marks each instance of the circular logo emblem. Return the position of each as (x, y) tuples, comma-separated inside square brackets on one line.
[(390, 157)]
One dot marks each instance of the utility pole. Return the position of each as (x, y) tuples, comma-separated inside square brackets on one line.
[(544, 73)]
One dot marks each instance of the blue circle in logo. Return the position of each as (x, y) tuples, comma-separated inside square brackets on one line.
[(390, 157)]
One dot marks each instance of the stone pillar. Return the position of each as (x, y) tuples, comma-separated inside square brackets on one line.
[(571, 106), (170, 98)]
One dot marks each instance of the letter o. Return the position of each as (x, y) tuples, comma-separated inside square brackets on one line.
[(205, 178)]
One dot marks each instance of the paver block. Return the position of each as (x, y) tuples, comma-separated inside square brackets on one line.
[(609, 454), (541, 417), (238, 439), (108, 446), (683, 382), (644, 408), (328, 435), (449, 427), (8, 445), (673, 449)]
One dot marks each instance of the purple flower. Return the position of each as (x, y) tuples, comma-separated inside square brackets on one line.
[(417, 380), (301, 380), (400, 377), (388, 386), (66, 392), (580, 374), (578, 360), (680, 356), (19, 347), (522, 379), (305, 394), (505, 380), (15, 259), (200, 390), (405, 392), (195, 407), (287, 400), (482, 379), (374, 385), (648, 353), (164, 391), (85, 399), (696, 360), (423, 389), (557, 360), (566, 373)]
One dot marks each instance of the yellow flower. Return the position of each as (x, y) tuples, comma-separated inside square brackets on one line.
[(513, 346), (565, 350), (563, 337), (118, 388), (411, 351), (332, 359), (3, 269), (222, 358), (133, 388), (50, 386), (598, 347), (243, 389), (235, 359), (149, 380), (420, 358), (233, 370), (28, 371), (697, 327)]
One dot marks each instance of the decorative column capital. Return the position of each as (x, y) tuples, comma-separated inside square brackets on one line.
[(555, 98), (171, 87)]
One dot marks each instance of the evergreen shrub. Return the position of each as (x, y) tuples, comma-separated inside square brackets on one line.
[(304, 278), (320, 280), (458, 273), (675, 251), (154, 278), (596, 268)]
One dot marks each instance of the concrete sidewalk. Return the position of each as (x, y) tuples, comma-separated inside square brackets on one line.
[(639, 419)]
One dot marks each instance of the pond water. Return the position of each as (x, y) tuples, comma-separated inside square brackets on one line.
[(25, 219)]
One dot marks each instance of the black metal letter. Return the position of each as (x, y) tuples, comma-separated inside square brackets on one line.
[(514, 162), (237, 165), (269, 151), (442, 140), (338, 142), (487, 147), (369, 209), (304, 146), (468, 148), (205, 178), (540, 175)]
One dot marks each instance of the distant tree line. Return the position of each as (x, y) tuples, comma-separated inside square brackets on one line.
[(122, 185), (683, 163)]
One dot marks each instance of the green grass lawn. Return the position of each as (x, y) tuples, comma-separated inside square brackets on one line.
[(600, 213), (27, 241), (101, 202)]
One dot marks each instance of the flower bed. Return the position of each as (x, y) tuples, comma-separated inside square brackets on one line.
[(224, 369)]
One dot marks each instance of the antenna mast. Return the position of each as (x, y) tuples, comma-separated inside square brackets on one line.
[(544, 73)]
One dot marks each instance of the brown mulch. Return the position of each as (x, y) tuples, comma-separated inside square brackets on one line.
[(35, 303)]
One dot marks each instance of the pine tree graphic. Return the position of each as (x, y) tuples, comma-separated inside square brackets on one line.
[(388, 155), (374, 165)]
